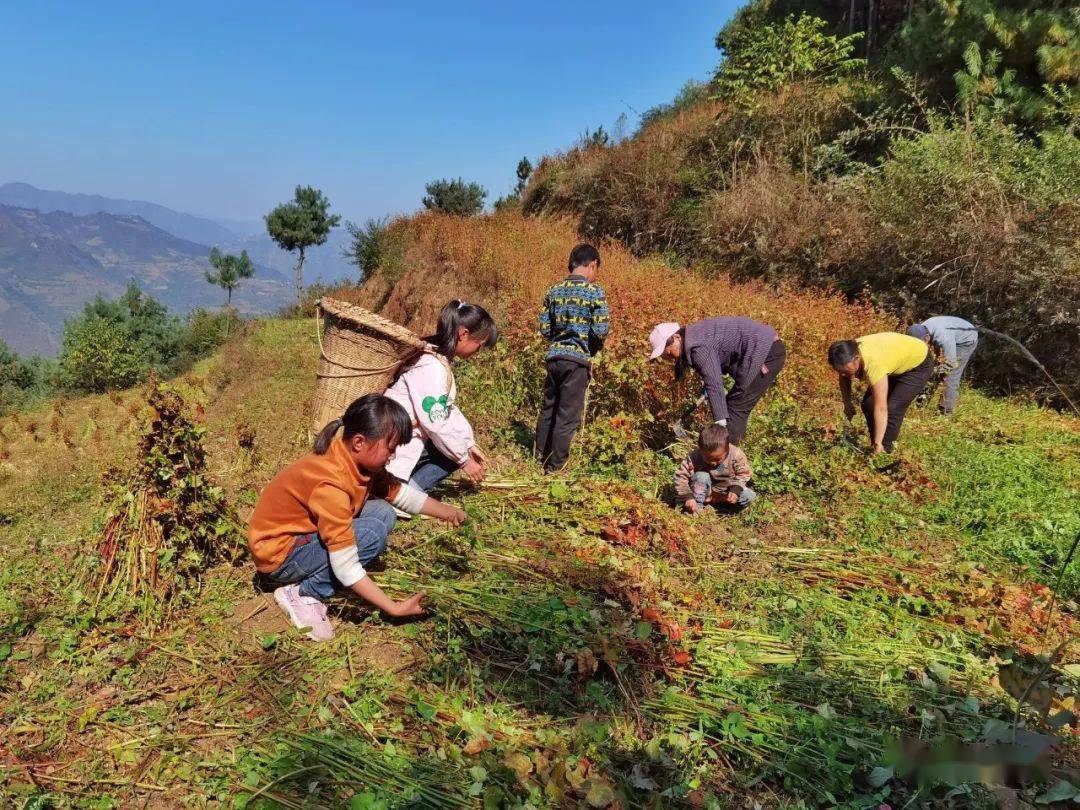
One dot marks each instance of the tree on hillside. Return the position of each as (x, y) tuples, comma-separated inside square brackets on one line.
[(524, 170), (13, 372), (300, 224), (368, 241), (768, 56), (23, 380), (513, 199), (455, 197), (99, 355), (229, 270), (1027, 52), (597, 137)]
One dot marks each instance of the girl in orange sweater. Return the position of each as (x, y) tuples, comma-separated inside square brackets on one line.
[(326, 516)]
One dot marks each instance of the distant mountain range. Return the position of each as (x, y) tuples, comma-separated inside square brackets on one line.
[(59, 250), (200, 230), (53, 263)]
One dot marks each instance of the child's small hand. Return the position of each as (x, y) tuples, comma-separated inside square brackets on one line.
[(473, 470), (732, 498), (413, 606), (455, 517), (691, 506)]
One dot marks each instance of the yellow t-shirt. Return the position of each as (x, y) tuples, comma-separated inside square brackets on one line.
[(888, 353)]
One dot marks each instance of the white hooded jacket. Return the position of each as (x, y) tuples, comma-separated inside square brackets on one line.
[(426, 390)]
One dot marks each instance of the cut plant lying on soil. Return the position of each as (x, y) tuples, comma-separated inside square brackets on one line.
[(586, 645)]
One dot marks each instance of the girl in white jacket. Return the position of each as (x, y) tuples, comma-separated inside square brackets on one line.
[(442, 439)]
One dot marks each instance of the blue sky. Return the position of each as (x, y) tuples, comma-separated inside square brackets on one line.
[(222, 108)]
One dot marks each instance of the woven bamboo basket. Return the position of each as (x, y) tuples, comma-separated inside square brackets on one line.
[(360, 354)]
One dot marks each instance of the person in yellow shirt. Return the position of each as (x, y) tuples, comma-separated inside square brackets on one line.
[(896, 369)]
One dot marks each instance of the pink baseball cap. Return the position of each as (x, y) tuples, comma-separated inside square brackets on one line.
[(659, 337)]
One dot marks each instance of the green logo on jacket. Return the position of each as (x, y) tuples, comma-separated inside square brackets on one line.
[(437, 408)]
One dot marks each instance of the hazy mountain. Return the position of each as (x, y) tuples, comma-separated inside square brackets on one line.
[(323, 263), (186, 226), (52, 263)]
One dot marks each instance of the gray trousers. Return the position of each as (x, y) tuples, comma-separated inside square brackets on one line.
[(952, 382)]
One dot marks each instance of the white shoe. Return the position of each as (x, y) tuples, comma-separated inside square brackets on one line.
[(306, 613), (402, 515)]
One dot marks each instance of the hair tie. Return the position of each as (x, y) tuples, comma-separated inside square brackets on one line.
[(461, 304)]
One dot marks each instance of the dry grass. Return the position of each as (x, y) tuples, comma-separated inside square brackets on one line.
[(507, 261)]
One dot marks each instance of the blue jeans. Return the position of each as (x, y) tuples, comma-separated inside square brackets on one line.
[(431, 468), (309, 560), (952, 382), (702, 484)]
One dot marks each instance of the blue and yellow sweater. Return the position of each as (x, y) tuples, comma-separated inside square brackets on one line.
[(574, 319)]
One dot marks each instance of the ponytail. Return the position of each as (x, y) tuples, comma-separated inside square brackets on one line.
[(458, 314), (372, 416), (326, 435)]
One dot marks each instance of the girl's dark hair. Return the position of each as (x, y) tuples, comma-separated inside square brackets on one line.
[(457, 314), (582, 255), (374, 417), (842, 352)]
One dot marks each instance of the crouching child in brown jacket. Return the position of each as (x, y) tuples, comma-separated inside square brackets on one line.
[(716, 473)]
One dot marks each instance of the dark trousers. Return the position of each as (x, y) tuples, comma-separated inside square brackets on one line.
[(740, 401), (560, 414), (903, 388)]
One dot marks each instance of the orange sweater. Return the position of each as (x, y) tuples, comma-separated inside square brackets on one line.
[(314, 494)]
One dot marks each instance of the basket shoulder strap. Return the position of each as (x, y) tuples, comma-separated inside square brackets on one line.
[(451, 385)]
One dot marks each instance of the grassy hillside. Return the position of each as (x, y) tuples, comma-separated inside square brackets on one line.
[(586, 645), (944, 187)]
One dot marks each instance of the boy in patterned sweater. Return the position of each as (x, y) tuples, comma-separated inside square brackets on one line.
[(574, 319)]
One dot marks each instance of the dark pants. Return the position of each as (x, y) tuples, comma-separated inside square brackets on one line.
[(560, 414), (903, 388), (740, 401)]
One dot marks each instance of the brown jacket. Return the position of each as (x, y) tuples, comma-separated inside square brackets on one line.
[(731, 476)]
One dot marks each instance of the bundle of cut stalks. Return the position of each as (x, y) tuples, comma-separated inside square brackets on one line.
[(167, 521), (129, 548)]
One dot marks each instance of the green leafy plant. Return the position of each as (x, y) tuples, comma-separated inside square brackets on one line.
[(369, 245), (765, 57)]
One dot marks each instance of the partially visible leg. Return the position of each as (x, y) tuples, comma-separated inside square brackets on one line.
[(431, 468), (738, 414), (741, 401), (867, 407), (547, 415), (305, 584), (308, 566), (746, 497), (701, 486), (903, 388), (372, 528), (952, 382), (575, 380)]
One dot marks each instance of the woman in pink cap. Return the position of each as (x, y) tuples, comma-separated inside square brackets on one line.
[(751, 352)]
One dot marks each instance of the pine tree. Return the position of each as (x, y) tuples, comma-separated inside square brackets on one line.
[(299, 224), (229, 270)]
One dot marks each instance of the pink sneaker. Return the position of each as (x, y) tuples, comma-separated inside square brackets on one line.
[(306, 612)]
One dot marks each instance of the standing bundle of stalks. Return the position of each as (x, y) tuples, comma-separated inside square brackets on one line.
[(166, 521)]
